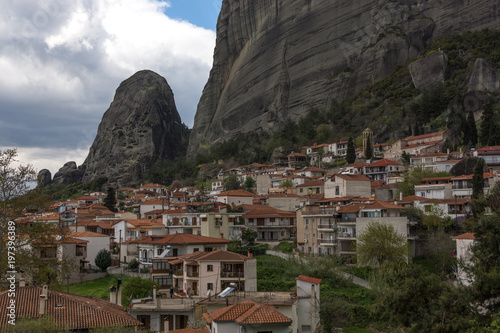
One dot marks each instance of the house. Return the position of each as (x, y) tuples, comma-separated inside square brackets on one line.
[(67, 311), (157, 189), (284, 201), (126, 230), (297, 160), (316, 228), (462, 185), (464, 243), (236, 197), (311, 187), (311, 172), (353, 169), (197, 273), (445, 165), (249, 316), (435, 188), (353, 219), (95, 243), (338, 148), (386, 170), (416, 145), (272, 224), (153, 204), (456, 208), (152, 247), (161, 311), (491, 156), (428, 161), (340, 186)]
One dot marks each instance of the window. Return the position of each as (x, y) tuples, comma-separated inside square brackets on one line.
[(337, 190), (210, 268), (196, 249), (306, 328), (307, 221), (210, 286)]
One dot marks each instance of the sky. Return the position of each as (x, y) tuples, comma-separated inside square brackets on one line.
[(62, 61)]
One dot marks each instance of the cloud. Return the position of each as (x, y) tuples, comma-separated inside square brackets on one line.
[(61, 62)]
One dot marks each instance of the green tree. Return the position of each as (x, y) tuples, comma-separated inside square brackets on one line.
[(136, 288), (486, 121), (380, 244), (249, 235), (110, 200), (286, 183), (494, 198), (249, 184), (413, 177), (231, 182), (368, 149), (103, 259), (351, 152), (486, 261), (43, 324), (478, 179), (446, 145), (405, 158)]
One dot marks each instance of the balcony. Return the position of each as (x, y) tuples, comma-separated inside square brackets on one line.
[(327, 242), (232, 275), (346, 235), (327, 227)]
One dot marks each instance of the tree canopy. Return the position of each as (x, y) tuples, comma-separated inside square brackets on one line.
[(351, 152), (231, 182), (380, 244)]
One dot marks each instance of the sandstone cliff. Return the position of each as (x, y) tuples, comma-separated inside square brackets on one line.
[(142, 126), (276, 59)]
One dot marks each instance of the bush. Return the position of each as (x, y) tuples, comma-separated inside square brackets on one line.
[(136, 288), (286, 247), (133, 265), (103, 259)]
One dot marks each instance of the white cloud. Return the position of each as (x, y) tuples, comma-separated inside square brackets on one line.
[(61, 62)]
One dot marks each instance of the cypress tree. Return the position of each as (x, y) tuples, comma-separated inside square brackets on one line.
[(368, 149), (486, 122), (350, 156), (110, 200), (478, 179)]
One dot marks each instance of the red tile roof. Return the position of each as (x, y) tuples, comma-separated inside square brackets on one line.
[(468, 235), (217, 255), (249, 312), (180, 239), (67, 311), (267, 211), (308, 279), (383, 162), (424, 136), (237, 193), (87, 234), (353, 177)]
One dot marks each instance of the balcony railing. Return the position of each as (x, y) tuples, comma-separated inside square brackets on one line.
[(327, 226), (327, 241), (346, 235), (232, 275)]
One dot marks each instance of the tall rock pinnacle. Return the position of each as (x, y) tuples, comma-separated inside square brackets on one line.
[(141, 127)]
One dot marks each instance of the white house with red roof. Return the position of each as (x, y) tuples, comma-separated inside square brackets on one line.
[(153, 204), (96, 243), (386, 170), (311, 187), (339, 186), (249, 317), (416, 145), (153, 187), (126, 230), (338, 148), (435, 188), (297, 160), (490, 154), (462, 185), (428, 161)]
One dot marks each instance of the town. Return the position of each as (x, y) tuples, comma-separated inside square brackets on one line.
[(180, 237)]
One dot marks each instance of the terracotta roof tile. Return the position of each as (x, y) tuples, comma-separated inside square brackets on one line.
[(180, 239), (312, 183), (468, 235), (308, 279), (74, 313), (353, 177), (237, 193), (383, 162), (217, 255), (249, 312)]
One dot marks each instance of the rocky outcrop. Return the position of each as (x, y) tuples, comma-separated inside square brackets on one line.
[(68, 174), (276, 59), (141, 127), (483, 77), (44, 178), (429, 71)]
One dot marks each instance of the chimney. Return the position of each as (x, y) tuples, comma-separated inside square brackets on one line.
[(22, 283), (119, 292), (222, 235), (42, 304), (45, 290), (250, 252), (400, 195), (491, 171), (112, 295), (154, 293)]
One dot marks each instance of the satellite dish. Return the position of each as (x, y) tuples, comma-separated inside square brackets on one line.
[(58, 238)]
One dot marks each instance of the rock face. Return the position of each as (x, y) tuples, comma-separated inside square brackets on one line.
[(44, 178), (483, 77), (429, 71), (68, 174), (276, 59), (142, 126)]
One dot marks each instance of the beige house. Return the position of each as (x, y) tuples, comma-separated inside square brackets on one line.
[(340, 186), (236, 197), (311, 187), (199, 272), (272, 224), (416, 145)]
